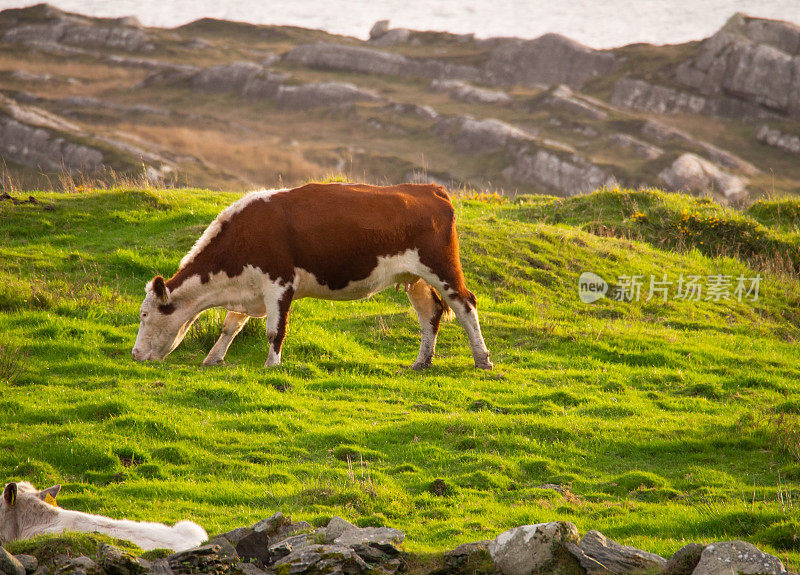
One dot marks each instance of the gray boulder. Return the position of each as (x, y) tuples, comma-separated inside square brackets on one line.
[(289, 545), (322, 560), (322, 94), (531, 549), (9, 564), (378, 29), (468, 559), (693, 173), (684, 560), (29, 562), (547, 60), (775, 138), (160, 567), (254, 547), (600, 555), (82, 565), (211, 557), (336, 526), (364, 535), (115, 562), (737, 557), (250, 569)]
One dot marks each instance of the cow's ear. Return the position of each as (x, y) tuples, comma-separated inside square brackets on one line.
[(51, 491), (160, 289), (10, 494)]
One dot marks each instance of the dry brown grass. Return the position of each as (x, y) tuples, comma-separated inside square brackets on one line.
[(262, 159)]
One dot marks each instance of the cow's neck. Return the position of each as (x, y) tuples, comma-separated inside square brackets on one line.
[(194, 290)]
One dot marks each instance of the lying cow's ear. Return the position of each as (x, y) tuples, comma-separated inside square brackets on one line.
[(10, 494), (51, 491), (160, 288)]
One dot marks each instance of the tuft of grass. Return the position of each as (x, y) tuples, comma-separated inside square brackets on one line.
[(763, 235), (47, 547), (12, 362)]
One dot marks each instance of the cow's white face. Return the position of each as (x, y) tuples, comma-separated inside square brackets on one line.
[(162, 323)]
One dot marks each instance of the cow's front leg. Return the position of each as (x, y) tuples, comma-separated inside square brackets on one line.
[(277, 314), (233, 324)]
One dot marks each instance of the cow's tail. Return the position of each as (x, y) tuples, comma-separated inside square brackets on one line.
[(447, 313)]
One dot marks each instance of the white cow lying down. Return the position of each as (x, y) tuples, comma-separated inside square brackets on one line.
[(25, 512)]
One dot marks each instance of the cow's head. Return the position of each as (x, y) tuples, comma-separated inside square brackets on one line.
[(163, 322), (23, 509)]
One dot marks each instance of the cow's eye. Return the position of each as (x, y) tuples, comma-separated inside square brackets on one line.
[(144, 314)]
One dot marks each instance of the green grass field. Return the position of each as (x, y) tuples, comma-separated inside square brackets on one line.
[(663, 422)]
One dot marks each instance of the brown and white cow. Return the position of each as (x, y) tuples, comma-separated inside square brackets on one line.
[(329, 241)]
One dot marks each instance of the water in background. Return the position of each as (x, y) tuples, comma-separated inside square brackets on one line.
[(597, 23)]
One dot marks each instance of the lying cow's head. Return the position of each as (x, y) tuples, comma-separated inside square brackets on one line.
[(23, 510), (162, 324)]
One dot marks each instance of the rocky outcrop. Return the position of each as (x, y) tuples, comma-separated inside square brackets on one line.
[(751, 59), (567, 174), (667, 134), (693, 173), (44, 149), (318, 94), (328, 56), (44, 24), (350, 58), (279, 545), (248, 79), (535, 161), (468, 93), (547, 60), (469, 135), (39, 139), (777, 139), (635, 145), (737, 557), (643, 96), (563, 98)]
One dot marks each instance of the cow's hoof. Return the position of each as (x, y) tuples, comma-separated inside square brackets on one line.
[(487, 365), (213, 361), (420, 365)]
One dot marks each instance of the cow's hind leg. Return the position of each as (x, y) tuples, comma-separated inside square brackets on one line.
[(233, 324), (430, 308), (277, 315)]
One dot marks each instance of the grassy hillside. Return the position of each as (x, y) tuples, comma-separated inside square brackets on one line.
[(659, 423)]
